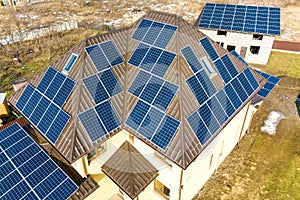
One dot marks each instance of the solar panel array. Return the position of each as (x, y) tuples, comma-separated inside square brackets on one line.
[(102, 86), (268, 87), (42, 106), (153, 124), (100, 120), (153, 90), (216, 109), (253, 19), (104, 55), (154, 33), (152, 59), (27, 172)]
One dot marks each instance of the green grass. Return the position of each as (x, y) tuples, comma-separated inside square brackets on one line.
[(284, 64)]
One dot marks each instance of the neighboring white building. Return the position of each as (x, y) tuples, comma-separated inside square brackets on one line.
[(155, 108), (249, 30)]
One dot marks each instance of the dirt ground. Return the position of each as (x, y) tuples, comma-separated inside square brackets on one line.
[(263, 166)]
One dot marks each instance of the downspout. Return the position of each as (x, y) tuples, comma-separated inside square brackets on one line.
[(241, 133), (180, 184)]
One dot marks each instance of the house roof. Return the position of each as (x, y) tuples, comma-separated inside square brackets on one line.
[(241, 18), (130, 170), (21, 121), (181, 146)]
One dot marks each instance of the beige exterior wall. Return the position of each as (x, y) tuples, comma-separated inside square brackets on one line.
[(245, 40), (194, 177)]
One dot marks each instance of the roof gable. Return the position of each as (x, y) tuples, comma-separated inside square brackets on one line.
[(130, 165), (250, 19), (177, 122)]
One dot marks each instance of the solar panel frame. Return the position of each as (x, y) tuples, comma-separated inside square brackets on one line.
[(209, 49)]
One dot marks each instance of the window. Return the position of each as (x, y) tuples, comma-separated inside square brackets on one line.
[(161, 189), (96, 152), (207, 66), (230, 48), (222, 33), (163, 158), (257, 37), (254, 49), (220, 43), (70, 63)]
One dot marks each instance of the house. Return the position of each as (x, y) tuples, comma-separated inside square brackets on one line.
[(149, 111), (249, 30), (4, 111)]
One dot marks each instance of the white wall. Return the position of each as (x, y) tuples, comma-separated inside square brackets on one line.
[(245, 40), (195, 176)]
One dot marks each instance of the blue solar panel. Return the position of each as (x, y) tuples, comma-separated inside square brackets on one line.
[(95, 88), (151, 89), (165, 132), (31, 104), (191, 59), (103, 85), (238, 56), (268, 87), (139, 54), (239, 89), (153, 32), (104, 55), (63, 94), (108, 116), (165, 96), (47, 79), (165, 36), (39, 110), (209, 48), (142, 29), (248, 88), (58, 125), (222, 70), (208, 118), (151, 58), (111, 53), (139, 83), (197, 89), (229, 66), (217, 110), (163, 63), (98, 57), (199, 127), (230, 92), (137, 115), (92, 124), (28, 91), (265, 20), (29, 173), (206, 83), (110, 82), (250, 77), (150, 123), (46, 120), (55, 85)]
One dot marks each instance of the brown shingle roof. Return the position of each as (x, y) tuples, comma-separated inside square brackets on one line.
[(130, 170), (21, 121), (184, 147)]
